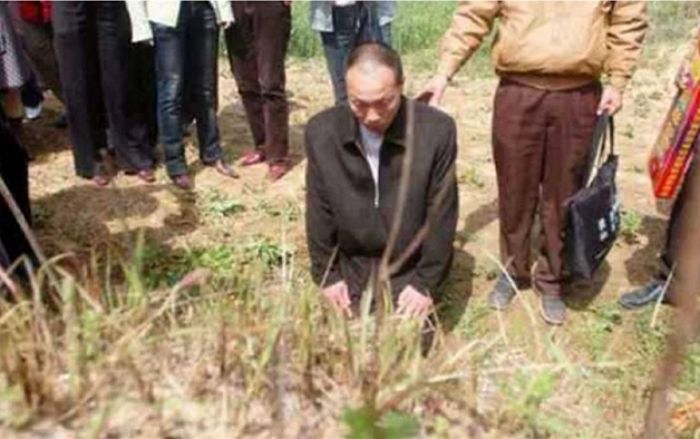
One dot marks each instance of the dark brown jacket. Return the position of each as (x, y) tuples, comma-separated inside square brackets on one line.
[(340, 209)]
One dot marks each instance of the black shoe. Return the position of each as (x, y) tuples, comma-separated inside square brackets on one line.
[(502, 293), (648, 294), (552, 309)]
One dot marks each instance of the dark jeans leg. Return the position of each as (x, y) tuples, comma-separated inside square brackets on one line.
[(386, 34), (142, 127), (75, 41), (272, 33), (369, 28), (202, 62), (337, 46), (241, 47), (170, 60)]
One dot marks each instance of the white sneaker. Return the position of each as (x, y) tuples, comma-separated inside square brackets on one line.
[(33, 113)]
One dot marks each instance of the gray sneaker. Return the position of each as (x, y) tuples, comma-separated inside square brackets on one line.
[(502, 293), (553, 309)]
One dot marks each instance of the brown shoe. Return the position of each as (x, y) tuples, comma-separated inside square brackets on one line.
[(146, 175), (277, 171), (225, 169), (101, 180), (253, 158), (183, 182)]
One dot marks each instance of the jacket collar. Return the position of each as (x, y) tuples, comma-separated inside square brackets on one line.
[(395, 134)]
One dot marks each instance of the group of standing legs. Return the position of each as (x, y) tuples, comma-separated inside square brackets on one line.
[(123, 98), (106, 84), (113, 88)]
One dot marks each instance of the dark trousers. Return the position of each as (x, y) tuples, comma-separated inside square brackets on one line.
[(674, 236), (351, 25), (32, 95), (138, 153), (541, 142), (186, 58), (13, 169), (38, 43), (257, 45), (92, 42)]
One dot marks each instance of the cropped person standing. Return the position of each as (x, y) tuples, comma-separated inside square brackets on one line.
[(257, 47), (13, 156), (33, 23), (14, 72), (92, 48), (550, 56), (656, 289), (343, 24), (13, 170), (186, 38)]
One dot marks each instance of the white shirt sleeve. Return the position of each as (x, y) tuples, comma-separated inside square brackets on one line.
[(140, 27), (225, 11)]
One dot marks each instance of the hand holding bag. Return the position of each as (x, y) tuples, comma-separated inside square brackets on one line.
[(594, 211)]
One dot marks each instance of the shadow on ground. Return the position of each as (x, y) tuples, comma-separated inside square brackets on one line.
[(644, 262), (75, 220), (457, 291)]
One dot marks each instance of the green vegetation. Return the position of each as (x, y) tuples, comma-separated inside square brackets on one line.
[(420, 25), (631, 224)]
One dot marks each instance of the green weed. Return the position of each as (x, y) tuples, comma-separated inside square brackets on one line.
[(631, 224)]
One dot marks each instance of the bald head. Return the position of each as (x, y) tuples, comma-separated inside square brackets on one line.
[(368, 58)]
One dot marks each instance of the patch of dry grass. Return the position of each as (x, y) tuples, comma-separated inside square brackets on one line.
[(257, 356)]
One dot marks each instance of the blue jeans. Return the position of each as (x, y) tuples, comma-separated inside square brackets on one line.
[(351, 25), (188, 53)]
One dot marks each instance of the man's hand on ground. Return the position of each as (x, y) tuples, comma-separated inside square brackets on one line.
[(611, 101), (414, 304), (339, 296), (433, 90)]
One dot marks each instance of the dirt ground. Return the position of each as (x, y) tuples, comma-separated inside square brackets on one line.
[(75, 216)]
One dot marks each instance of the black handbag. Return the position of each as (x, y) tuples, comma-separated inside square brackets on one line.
[(594, 211)]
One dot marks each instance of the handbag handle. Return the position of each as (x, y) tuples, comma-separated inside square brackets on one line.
[(603, 134)]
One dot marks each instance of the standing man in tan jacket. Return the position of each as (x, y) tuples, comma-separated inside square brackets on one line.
[(550, 56)]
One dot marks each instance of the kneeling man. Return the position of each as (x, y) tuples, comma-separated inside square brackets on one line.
[(356, 154)]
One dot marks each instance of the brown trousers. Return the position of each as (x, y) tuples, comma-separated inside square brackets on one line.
[(541, 142), (257, 47)]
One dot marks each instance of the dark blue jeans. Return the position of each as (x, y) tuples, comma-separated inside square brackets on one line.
[(351, 25), (188, 52)]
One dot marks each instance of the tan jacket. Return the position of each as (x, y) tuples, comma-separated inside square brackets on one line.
[(550, 44)]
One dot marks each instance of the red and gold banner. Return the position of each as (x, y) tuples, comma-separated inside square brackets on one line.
[(675, 146)]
